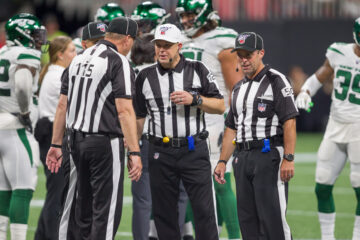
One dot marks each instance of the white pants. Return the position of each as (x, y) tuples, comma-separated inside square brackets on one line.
[(19, 158), (215, 126), (332, 158)]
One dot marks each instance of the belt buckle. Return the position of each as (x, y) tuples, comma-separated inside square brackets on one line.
[(176, 142)]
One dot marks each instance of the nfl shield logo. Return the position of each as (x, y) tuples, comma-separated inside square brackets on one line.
[(236, 160), (242, 38), (261, 107), (101, 27), (163, 30), (156, 155)]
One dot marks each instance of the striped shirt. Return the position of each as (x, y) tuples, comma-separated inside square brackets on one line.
[(153, 87), (92, 82), (260, 106)]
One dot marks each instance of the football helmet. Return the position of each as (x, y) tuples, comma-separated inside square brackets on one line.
[(108, 12), (25, 30), (148, 15), (203, 10), (356, 31)]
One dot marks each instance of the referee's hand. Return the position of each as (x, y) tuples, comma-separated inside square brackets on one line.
[(219, 173), (134, 167), (54, 159), (287, 170), (181, 98)]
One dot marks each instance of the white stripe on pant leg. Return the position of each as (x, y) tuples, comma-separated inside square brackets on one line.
[(64, 222), (282, 199), (116, 178)]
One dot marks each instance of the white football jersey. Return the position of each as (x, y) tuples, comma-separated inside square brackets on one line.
[(345, 106), (10, 59), (206, 48)]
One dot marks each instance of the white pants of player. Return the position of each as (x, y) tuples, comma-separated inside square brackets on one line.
[(19, 158), (215, 125)]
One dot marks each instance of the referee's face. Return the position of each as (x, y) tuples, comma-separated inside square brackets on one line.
[(250, 61), (166, 52)]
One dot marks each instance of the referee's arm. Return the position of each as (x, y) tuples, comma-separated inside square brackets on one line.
[(227, 148), (127, 120), (54, 155)]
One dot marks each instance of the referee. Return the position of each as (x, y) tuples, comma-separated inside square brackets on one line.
[(175, 93), (96, 99), (262, 122)]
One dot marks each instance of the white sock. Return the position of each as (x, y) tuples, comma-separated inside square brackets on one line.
[(327, 225), (152, 231), (3, 227), (219, 229), (18, 231), (187, 229), (356, 233)]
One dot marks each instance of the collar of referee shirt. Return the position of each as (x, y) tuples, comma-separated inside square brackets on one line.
[(259, 76), (107, 43), (179, 67)]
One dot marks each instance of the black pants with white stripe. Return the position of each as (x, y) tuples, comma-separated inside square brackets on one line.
[(93, 204), (167, 166), (261, 195)]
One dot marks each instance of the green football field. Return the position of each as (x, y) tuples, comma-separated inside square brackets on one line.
[(302, 210)]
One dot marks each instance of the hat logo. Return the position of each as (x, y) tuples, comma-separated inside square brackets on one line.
[(242, 38), (163, 30), (101, 27)]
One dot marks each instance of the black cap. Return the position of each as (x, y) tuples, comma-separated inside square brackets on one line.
[(94, 30), (248, 41), (123, 25)]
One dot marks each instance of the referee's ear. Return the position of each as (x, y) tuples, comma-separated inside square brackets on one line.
[(179, 46)]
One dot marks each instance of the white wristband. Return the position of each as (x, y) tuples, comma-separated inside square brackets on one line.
[(312, 84)]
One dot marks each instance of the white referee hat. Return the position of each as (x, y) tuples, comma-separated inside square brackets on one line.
[(167, 32)]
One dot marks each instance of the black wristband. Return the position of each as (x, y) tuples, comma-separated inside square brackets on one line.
[(134, 153), (55, 145), (222, 161)]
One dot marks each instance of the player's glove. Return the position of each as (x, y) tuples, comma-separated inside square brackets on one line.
[(24, 119), (303, 100)]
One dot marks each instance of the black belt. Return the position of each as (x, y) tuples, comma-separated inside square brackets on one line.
[(177, 142), (246, 146)]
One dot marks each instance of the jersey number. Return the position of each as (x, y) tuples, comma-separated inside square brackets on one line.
[(4, 76), (192, 54), (342, 91)]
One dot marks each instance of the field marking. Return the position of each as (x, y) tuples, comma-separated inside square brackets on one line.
[(305, 157), (311, 189)]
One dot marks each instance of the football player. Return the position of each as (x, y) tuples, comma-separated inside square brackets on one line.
[(211, 44), (19, 151), (108, 12), (148, 15), (342, 136)]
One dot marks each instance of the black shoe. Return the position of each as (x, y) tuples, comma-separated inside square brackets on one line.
[(188, 237), (152, 238)]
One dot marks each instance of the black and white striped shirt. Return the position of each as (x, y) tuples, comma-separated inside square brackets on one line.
[(153, 87), (260, 106), (92, 82)]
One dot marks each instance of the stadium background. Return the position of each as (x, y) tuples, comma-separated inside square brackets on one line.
[(296, 35)]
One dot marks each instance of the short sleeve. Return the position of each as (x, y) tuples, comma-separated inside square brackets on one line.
[(334, 53), (209, 85), (230, 121), (284, 103), (122, 76), (65, 82), (139, 98)]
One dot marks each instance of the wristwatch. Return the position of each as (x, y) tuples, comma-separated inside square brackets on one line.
[(197, 100), (290, 157), (133, 153)]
